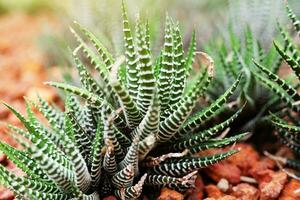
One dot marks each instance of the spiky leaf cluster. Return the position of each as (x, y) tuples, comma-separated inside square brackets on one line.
[(235, 56), (136, 127), (286, 90)]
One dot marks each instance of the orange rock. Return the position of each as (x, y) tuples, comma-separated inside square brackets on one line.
[(263, 176), (262, 167), (33, 67), (245, 191), (197, 192), (46, 93), (168, 194), (199, 185), (6, 194), (213, 191), (244, 159), (224, 170), (145, 198), (12, 119), (19, 105), (5, 46), (4, 137), (16, 91), (290, 191), (4, 112), (271, 190), (110, 198), (2, 157), (195, 195), (226, 197)]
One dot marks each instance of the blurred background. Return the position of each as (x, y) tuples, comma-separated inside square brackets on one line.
[(35, 37), (210, 19)]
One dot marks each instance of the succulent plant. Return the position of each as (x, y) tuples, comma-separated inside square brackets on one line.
[(230, 60), (139, 124), (286, 121)]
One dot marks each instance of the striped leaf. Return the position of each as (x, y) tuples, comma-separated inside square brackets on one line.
[(290, 60), (131, 57), (167, 67), (207, 113), (294, 19), (106, 57), (146, 75), (190, 55), (180, 72), (169, 127), (188, 165)]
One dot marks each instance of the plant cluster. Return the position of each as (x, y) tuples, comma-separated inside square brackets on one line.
[(286, 120), (138, 126), (248, 54), (233, 58), (269, 97)]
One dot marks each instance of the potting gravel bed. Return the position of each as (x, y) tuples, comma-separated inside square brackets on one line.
[(244, 176)]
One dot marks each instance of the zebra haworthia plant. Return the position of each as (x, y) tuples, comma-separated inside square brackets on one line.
[(287, 91), (235, 57), (138, 126)]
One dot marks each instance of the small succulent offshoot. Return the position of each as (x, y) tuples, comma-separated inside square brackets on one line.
[(237, 56), (286, 120)]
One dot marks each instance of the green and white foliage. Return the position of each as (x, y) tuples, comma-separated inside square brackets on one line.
[(260, 16), (138, 125), (238, 55), (288, 128)]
